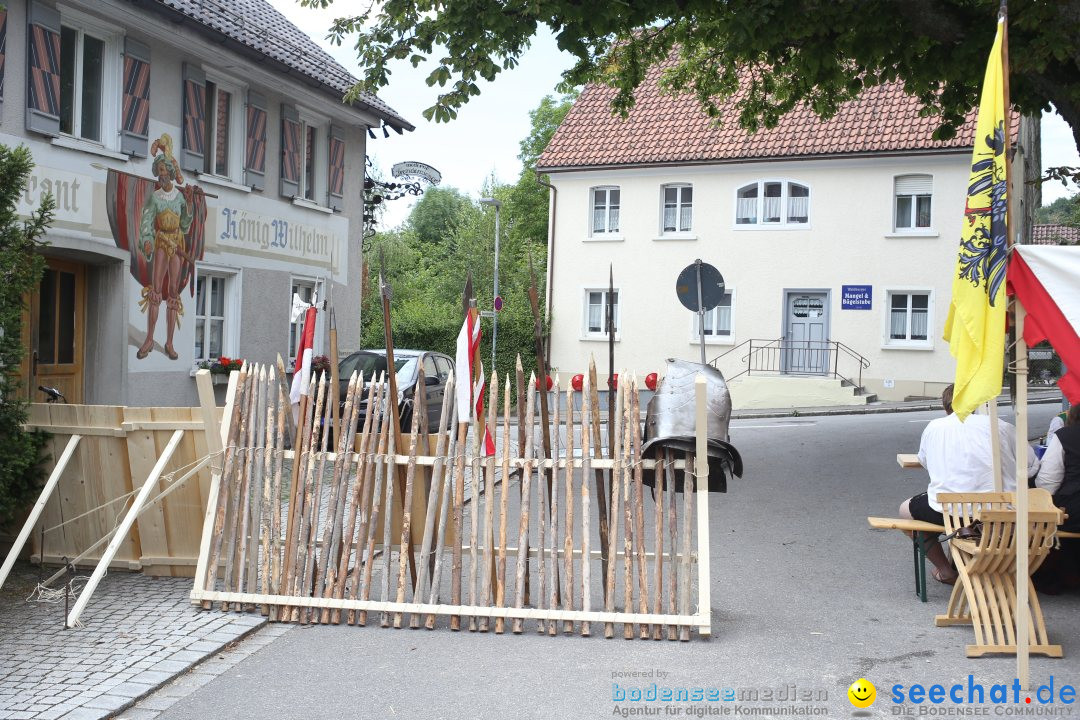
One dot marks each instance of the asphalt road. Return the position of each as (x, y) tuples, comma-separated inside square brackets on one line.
[(804, 594)]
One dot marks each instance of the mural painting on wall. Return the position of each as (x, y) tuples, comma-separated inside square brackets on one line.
[(162, 223)]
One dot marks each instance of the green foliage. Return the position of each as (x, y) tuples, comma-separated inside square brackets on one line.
[(795, 51), (447, 237), (20, 269), (1063, 211), (437, 211)]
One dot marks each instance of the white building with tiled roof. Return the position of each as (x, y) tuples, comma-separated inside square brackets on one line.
[(837, 242), (205, 170)]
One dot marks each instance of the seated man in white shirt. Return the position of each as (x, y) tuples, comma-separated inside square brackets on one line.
[(959, 459), (1060, 471)]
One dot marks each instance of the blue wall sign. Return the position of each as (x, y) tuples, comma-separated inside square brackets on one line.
[(856, 297)]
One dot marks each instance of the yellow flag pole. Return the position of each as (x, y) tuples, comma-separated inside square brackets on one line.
[(1023, 599)]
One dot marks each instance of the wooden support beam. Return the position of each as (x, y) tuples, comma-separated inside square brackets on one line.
[(123, 529), (215, 436), (701, 466), (39, 507), (428, 608)]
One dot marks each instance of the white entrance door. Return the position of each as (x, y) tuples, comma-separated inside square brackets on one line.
[(806, 334)]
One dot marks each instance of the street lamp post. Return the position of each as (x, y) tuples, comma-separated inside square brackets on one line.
[(494, 297)]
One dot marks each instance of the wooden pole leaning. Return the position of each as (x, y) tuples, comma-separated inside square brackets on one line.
[(673, 571), (568, 527), (598, 450), (344, 437), (586, 472), (1023, 526), (523, 525), (388, 520), (628, 506), (500, 581), (406, 501), (214, 520), (430, 528), (448, 492), (123, 529), (552, 520), (658, 568), (356, 493), (296, 494), (236, 481), (474, 508), (269, 500), (487, 584), (369, 464), (385, 419), (639, 507), (542, 502), (39, 506), (701, 466), (684, 575), (613, 527)]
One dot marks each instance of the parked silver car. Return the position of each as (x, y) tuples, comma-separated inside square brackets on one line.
[(371, 363)]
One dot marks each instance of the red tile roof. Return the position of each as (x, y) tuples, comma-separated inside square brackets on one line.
[(1055, 235), (666, 129)]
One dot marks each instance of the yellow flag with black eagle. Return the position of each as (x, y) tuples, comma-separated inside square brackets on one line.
[(975, 327)]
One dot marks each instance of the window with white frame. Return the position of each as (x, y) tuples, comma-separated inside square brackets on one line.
[(719, 326), (89, 79), (914, 199), (910, 317), (772, 202), (224, 131), (605, 211), (306, 288), (678, 208), (314, 140), (596, 323), (216, 314)]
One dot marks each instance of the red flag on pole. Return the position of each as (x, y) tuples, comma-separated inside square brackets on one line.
[(302, 371), (470, 394)]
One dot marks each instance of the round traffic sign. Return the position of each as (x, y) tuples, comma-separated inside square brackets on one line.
[(498, 302), (712, 286)]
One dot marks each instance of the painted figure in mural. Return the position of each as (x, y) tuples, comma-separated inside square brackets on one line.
[(161, 223), (166, 218)]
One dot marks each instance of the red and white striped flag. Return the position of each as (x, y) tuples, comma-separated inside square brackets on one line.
[(1046, 278), (302, 366), (469, 394)]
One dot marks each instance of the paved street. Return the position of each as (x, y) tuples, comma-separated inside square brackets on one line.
[(138, 633), (804, 594)]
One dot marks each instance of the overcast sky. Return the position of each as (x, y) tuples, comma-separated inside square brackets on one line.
[(483, 141)]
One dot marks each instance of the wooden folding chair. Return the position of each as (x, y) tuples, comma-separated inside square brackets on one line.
[(985, 595)]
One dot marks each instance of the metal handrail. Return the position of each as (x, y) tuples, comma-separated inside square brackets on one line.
[(778, 356)]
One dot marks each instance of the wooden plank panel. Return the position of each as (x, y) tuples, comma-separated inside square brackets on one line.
[(183, 510), (142, 452)]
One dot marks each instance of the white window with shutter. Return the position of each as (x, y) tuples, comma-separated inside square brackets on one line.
[(913, 203)]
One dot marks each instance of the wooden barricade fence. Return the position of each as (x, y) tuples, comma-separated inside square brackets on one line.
[(116, 450), (299, 535)]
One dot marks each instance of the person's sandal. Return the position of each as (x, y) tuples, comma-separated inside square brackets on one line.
[(945, 581)]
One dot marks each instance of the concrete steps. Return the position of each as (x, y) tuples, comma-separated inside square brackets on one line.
[(750, 392)]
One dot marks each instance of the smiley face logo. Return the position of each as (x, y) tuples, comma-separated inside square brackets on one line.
[(862, 693)]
